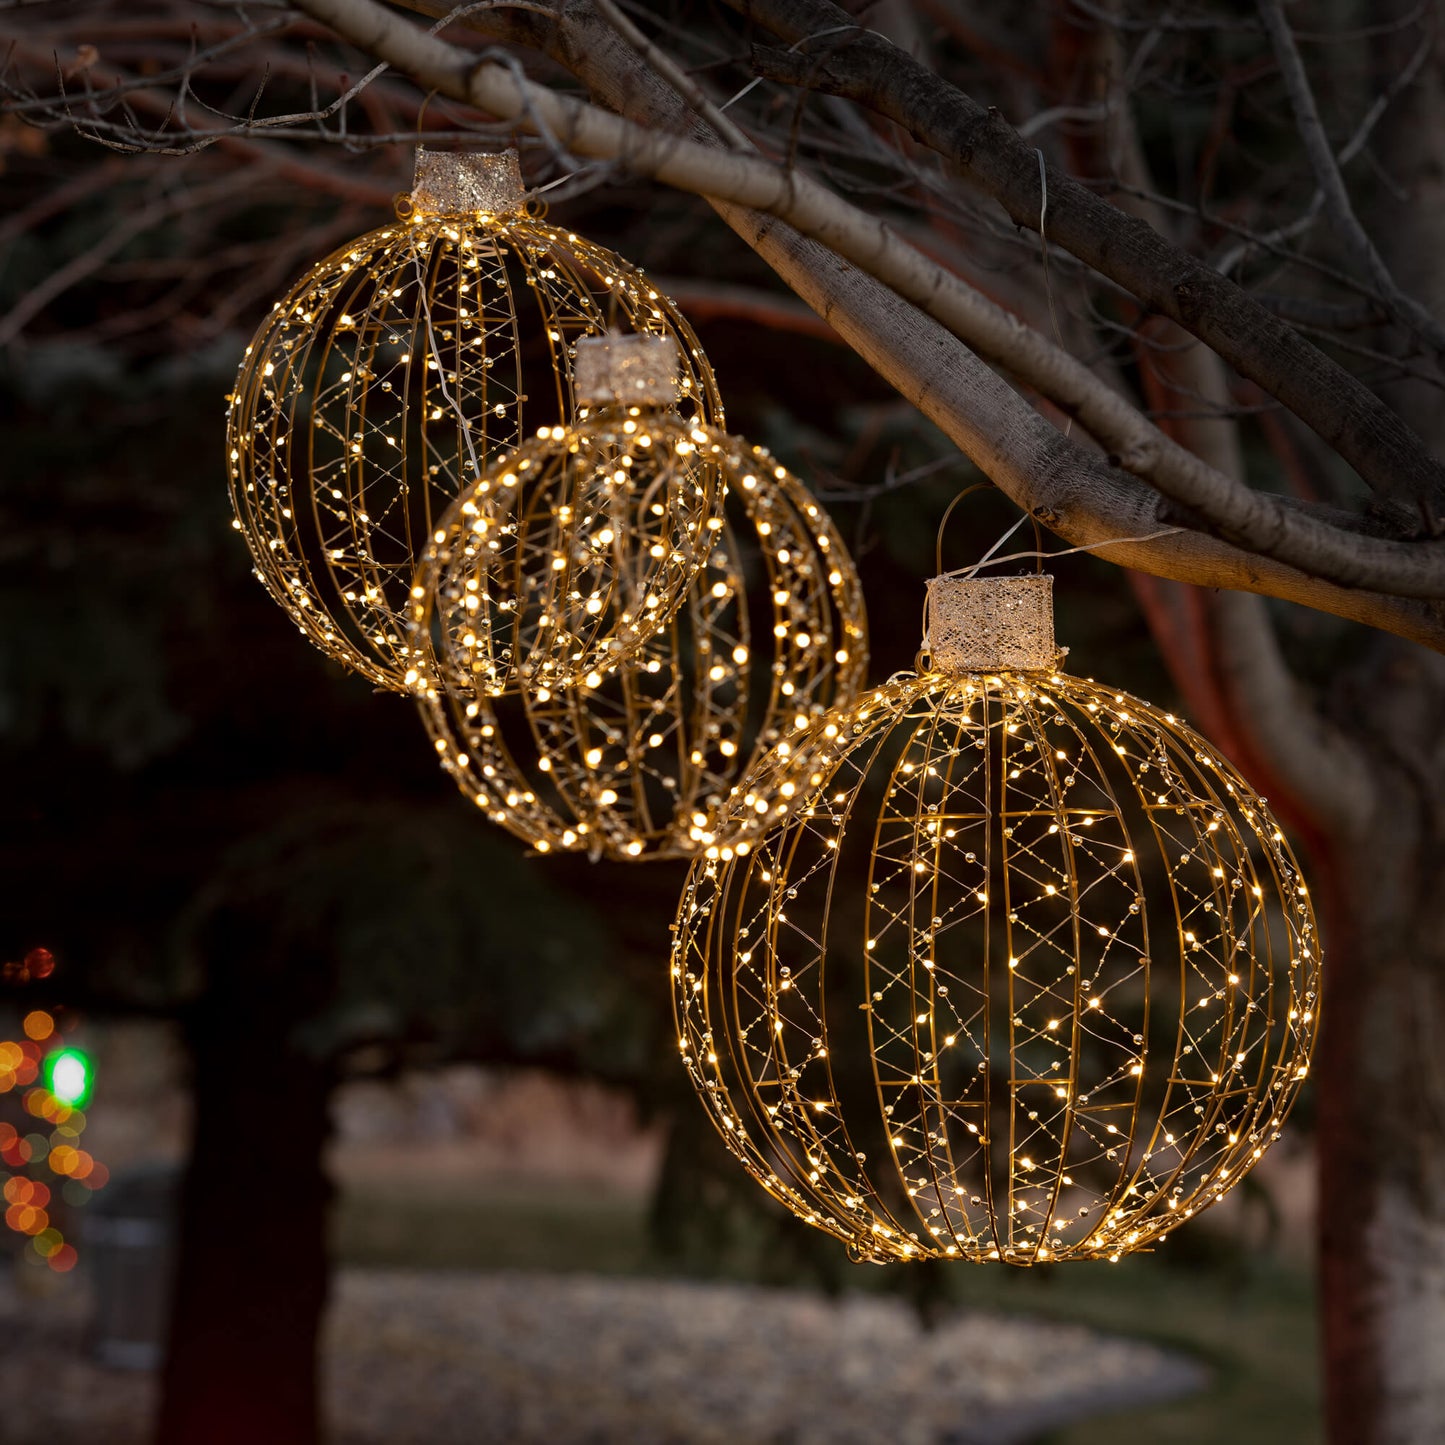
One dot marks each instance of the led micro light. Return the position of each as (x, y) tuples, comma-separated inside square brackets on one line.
[(635, 763), (395, 372), (1076, 1000)]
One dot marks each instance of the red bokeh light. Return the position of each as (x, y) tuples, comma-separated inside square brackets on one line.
[(40, 963)]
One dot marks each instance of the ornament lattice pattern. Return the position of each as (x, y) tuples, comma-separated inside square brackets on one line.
[(571, 552), (387, 380), (639, 765), (1072, 1010)]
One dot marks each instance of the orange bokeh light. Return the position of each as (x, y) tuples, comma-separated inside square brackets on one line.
[(26, 1219), (27, 1191), (38, 1025)]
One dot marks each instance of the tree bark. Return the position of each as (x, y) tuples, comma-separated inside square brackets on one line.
[(1380, 1077), (252, 1270), (1380, 1080)]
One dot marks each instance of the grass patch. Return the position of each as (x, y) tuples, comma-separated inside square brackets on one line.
[(396, 1229)]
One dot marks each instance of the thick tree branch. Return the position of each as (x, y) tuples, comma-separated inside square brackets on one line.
[(1255, 520), (986, 151)]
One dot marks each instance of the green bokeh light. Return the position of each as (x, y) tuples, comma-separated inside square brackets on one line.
[(69, 1077)]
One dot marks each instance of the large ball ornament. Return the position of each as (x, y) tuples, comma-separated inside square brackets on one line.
[(1023, 971), (395, 371), (637, 765)]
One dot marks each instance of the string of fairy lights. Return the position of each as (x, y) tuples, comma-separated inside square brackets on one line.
[(1075, 994)]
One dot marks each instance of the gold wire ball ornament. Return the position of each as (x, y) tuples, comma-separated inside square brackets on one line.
[(395, 371), (638, 765), (1067, 1002), (569, 553)]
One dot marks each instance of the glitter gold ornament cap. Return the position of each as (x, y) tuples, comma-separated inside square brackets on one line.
[(634, 370), (992, 624), (457, 183)]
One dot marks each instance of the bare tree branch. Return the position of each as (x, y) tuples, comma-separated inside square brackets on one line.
[(1323, 770), (989, 153), (1267, 710), (1075, 494), (1257, 521), (675, 76), (1335, 198)]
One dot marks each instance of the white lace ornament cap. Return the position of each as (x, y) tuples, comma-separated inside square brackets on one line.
[(992, 624), (632, 369), (456, 183)]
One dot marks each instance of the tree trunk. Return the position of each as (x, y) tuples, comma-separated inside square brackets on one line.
[(252, 1272), (1380, 1081)]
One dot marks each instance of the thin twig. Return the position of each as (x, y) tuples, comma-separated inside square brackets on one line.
[(1336, 199), (664, 65)]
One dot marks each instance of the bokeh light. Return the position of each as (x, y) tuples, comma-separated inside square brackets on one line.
[(68, 1077), (39, 1025)]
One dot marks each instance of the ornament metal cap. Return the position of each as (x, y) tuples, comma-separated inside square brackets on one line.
[(458, 183), (634, 369), (992, 624)]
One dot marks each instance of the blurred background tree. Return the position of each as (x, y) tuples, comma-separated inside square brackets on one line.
[(206, 820)]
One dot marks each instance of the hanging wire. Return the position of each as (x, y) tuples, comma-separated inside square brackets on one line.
[(1044, 254), (989, 559)]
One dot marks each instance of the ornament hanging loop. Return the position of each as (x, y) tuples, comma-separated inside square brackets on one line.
[(969, 571), (973, 624)]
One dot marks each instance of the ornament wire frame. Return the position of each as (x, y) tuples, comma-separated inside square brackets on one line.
[(388, 441), (769, 1049), (570, 552), (638, 766)]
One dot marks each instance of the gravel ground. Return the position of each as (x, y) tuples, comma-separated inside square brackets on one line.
[(523, 1359)]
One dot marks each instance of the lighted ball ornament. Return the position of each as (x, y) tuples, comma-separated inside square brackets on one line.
[(637, 764), (1076, 998), (395, 371), (568, 554)]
